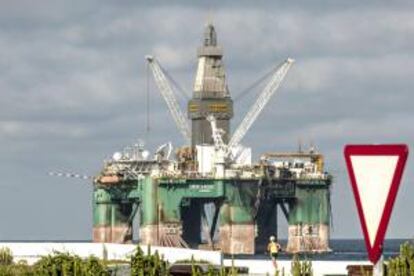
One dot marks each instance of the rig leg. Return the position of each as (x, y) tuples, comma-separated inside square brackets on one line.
[(237, 227), (160, 216), (149, 231), (309, 220), (111, 218)]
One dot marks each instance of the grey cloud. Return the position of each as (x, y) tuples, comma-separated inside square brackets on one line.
[(73, 86)]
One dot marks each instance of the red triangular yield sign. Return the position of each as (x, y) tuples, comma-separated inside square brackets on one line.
[(375, 172)]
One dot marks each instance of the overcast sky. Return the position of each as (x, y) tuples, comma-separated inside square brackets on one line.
[(73, 86)]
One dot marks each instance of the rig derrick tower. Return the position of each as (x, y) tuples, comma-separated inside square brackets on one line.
[(211, 94)]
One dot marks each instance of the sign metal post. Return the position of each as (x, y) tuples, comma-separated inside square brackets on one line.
[(378, 269)]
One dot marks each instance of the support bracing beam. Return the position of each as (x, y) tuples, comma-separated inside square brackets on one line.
[(284, 210), (259, 197), (206, 227), (215, 219), (129, 222)]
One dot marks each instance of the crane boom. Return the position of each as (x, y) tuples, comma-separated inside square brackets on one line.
[(260, 103), (168, 95)]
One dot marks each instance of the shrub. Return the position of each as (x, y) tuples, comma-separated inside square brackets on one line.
[(21, 269), (280, 272), (152, 265), (403, 264), (301, 268), (6, 256), (66, 264)]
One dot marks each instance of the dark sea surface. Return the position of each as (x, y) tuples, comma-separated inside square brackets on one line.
[(342, 250)]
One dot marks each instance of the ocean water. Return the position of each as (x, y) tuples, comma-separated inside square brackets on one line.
[(344, 250)]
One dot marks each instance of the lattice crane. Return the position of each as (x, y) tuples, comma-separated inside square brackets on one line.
[(260, 103), (168, 95), (217, 134)]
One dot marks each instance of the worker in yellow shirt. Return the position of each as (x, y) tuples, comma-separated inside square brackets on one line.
[(273, 248)]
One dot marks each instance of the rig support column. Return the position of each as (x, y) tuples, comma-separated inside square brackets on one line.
[(149, 224), (237, 228), (160, 217), (309, 219), (110, 217)]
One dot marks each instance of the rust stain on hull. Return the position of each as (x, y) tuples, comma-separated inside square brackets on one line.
[(308, 238), (118, 234), (237, 238)]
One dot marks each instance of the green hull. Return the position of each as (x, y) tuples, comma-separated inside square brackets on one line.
[(166, 204)]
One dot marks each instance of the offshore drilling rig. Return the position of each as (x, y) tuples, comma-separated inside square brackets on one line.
[(210, 193)]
